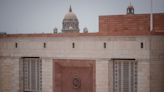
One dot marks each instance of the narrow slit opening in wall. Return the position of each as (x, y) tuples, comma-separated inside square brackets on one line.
[(73, 45), (16, 45), (44, 45), (142, 45), (104, 44)]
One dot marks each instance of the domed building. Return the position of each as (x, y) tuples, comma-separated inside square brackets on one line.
[(70, 22)]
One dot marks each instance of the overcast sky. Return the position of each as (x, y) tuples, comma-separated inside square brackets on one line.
[(38, 16)]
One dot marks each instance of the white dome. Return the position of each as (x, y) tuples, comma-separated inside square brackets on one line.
[(70, 15), (70, 22)]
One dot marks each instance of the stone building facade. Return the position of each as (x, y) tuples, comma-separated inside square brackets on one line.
[(124, 56)]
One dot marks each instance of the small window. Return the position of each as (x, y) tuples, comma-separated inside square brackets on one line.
[(104, 44), (16, 45), (142, 45), (73, 45), (44, 45)]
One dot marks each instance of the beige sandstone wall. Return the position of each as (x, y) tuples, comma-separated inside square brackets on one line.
[(157, 64), (9, 74), (85, 48)]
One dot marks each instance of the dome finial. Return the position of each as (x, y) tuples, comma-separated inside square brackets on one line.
[(70, 9)]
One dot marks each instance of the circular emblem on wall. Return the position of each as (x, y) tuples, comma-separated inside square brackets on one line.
[(76, 82)]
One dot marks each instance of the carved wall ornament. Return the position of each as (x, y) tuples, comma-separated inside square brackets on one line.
[(76, 82)]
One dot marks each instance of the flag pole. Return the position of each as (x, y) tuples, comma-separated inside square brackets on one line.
[(151, 16)]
